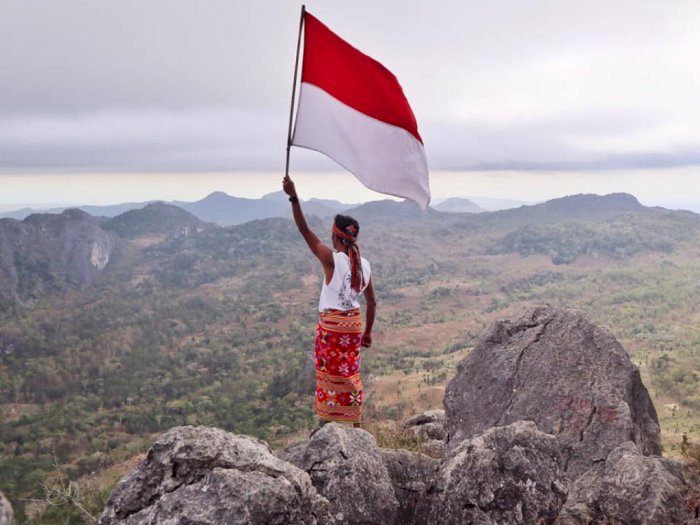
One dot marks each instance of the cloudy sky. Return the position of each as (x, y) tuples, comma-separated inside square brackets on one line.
[(112, 100)]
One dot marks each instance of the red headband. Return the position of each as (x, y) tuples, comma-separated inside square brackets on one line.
[(352, 237)]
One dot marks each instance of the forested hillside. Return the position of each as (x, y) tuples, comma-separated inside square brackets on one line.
[(216, 326)]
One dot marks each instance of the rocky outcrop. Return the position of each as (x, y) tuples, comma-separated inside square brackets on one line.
[(210, 477), (546, 421), (628, 488), (569, 376), (46, 251), (512, 474), (429, 429), (6, 514), (412, 475), (427, 425), (347, 468)]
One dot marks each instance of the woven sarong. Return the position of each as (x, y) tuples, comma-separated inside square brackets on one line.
[(338, 383)]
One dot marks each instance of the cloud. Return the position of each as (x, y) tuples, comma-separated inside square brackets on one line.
[(162, 85), (205, 139), (644, 160), (216, 139)]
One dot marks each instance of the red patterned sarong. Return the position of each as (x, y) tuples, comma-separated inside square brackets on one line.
[(338, 383)]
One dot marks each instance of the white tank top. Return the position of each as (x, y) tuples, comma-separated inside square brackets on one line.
[(338, 294)]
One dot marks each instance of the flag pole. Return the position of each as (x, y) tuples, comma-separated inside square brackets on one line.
[(294, 88)]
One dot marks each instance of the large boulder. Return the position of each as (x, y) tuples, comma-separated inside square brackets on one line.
[(558, 369), (512, 474), (629, 488), (412, 476), (347, 468), (211, 477), (6, 514)]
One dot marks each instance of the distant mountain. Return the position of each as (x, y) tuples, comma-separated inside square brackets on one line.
[(278, 196), (111, 210), (21, 214), (44, 252), (155, 218), (583, 204), (389, 209), (458, 205), (332, 204), (321, 207), (218, 207), (491, 204), (574, 207), (616, 226), (226, 210)]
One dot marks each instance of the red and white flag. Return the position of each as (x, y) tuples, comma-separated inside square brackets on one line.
[(352, 109)]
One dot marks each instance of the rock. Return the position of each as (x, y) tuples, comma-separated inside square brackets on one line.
[(6, 515), (429, 416), (428, 425), (510, 474), (435, 448), (412, 475), (628, 488), (292, 453), (569, 376), (429, 429), (211, 477), (347, 468)]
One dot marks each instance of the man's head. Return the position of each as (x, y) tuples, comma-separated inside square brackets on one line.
[(349, 228)]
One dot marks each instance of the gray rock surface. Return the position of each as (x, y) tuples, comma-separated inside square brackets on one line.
[(208, 476), (6, 514), (569, 376), (435, 448), (292, 453), (347, 468), (510, 474), (629, 488), (412, 476), (427, 425)]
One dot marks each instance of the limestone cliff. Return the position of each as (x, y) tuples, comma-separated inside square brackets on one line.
[(45, 252)]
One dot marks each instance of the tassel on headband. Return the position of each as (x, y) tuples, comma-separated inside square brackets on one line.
[(349, 238)]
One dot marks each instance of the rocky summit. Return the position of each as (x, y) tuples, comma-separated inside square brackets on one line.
[(207, 476), (347, 468), (558, 369), (547, 421), (510, 474)]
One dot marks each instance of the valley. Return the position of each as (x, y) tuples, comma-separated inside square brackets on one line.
[(214, 325)]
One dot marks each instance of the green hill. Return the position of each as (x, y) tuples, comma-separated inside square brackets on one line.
[(216, 327)]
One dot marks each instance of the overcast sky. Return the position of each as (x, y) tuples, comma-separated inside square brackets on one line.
[(108, 100)]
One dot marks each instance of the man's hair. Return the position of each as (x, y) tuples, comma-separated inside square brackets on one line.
[(343, 221), (346, 230)]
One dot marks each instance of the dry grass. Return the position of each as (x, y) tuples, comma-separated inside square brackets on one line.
[(392, 434)]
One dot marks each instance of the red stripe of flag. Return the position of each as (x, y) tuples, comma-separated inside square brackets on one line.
[(354, 78)]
